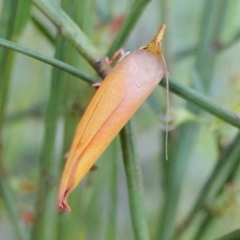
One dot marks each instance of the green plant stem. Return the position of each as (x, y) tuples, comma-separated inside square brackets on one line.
[(203, 102), (189, 51), (111, 223), (9, 197), (223, 169), (219, 175), (175, 87), (35, 111), (231, 236), (220, 13), (204, 67), (45, 224), (46, 33), (76, 97), (136, 11), (134, 182), (52, 61), (7, 31), (70, 31), (205, 225), (7, 25)]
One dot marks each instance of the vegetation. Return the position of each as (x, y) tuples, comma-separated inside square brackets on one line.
[(194, 195)]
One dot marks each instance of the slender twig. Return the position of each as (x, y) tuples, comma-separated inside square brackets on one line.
[(174, 86), (220, 13), (48, 169), (7, 25), (111, 223), (204, 67), (136, 11), (134, 182), (206, 223), (69, 30), (76, 95), (40, 26), (203, 102), (221, 46), (231, 236), (52, 61), (223, 169), (35, 111)]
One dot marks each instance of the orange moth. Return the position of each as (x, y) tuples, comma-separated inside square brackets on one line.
[(119, 96)]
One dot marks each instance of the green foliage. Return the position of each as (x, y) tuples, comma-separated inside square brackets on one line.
[(194, 195)]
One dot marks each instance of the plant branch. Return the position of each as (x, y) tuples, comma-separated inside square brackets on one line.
[(70, 31), (52, 61), (203, 102), (175, 87), (8, 25), (136, 11), (231, 236), (134, 182), (203, 68), (227, 164)]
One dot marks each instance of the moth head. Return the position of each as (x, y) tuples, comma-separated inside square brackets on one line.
[(155, 45)]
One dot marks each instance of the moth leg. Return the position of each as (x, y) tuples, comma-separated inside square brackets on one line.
[(94, 168), (97, 84), (66, 155), (118, 55)]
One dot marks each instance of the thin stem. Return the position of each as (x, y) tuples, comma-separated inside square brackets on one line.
[(45, 224), (231, 236), (219, 10), (203, 102), (40, 26), (128, 25), (52, 61), (189, 51), (205, 225), (134, 182), (34, 111), (7, 31), (220, 174), (174, 86), (111, 223), (9, 197), (70, 31), (8, 25), (204, 67), (76, 97)]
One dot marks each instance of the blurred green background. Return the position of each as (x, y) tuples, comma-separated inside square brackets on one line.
[(41, 105)]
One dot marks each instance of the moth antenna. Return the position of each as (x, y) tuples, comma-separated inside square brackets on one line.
[(154, 47), (167, 108)]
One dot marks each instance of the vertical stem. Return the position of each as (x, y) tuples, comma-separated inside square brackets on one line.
[(204, 68), (222, 169), (222, 173), (74, 34), (136, 10), (134, 182), (111, 223), (77, 95), (231, 236), (7, 31), (44, 226), (7, 26), (201, 231)]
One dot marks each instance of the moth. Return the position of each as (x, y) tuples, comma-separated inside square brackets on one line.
[(121, 93)]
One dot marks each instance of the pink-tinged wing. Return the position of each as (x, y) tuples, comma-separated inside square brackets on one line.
[(122, 92)]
